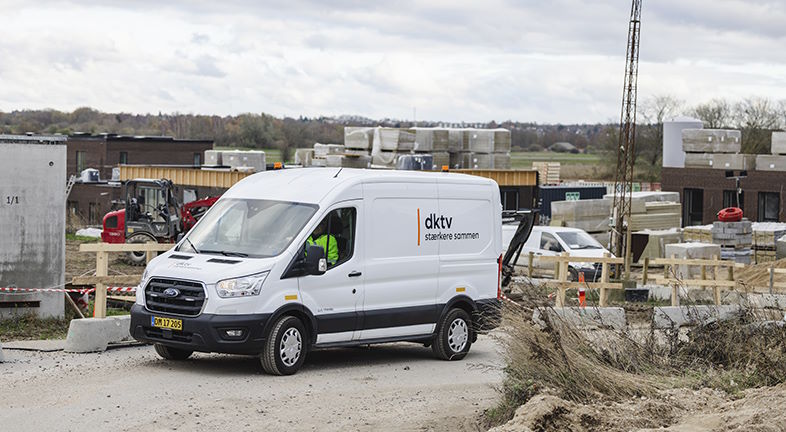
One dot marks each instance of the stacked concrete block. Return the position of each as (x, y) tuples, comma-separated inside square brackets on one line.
[(415, 162), (697, 233), (392, 139), (771, 162), (711, 141), (725, 161), (358, 138), (765, 240), (548, 172), (778, 146), (212, 157), (735, 240), (692, 251), (356, 161), (431, 140), (657, 241), (304, 156), (239, 160), (501, 161), (440, 159), (589, 215), (651, 196), (322, 151), (780, 248)]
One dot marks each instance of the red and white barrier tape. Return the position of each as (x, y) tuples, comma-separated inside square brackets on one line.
[(81, 291)]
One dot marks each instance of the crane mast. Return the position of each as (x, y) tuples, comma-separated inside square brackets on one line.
[(623, 177)]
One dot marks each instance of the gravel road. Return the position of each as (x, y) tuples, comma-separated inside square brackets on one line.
[(383, 387)]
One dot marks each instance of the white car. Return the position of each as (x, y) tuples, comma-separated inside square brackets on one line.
[(295, 259), (552, 241)]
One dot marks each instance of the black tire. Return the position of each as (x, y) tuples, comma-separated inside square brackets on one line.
[(171, 353), (285, 347), (138, 258), (455, 323)]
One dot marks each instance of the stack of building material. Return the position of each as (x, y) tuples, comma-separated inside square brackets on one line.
[(697, 233), (212, 157), (548, 172), (321, 152), (303, 156), (415, 162), (780, 248), (777, 160), (715, 148), (656, 242), (691, 251), (358, 138), (735, 240), (765, 240), (589, 215), (247, 161), (651, 196), (655, 215), (501, 157), (458, 148)]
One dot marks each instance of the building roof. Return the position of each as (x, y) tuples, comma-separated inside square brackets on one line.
[(32, 139), (116, 137)]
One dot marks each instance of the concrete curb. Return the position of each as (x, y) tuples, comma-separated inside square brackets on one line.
[(613, 317), (94, 334), (672, 317)]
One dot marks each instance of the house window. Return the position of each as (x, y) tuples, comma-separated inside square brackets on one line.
[(123, 158), (693, 207), (730, 199), (80, 162), (197, 159), (769, 206)]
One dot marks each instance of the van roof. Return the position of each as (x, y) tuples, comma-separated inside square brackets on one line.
[(312, 185)]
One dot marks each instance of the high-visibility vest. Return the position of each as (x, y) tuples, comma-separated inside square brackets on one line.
[(331, 246)]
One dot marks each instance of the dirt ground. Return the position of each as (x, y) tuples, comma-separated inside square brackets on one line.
[(84, 263), (678, 410), (384, 387)]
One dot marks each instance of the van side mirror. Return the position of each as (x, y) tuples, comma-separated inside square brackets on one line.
[(316, 264)]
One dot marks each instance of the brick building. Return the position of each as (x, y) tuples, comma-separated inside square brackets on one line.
[(91, 200)]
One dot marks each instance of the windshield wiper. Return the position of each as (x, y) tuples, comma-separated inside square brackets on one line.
[(192, 245), (226, 253)]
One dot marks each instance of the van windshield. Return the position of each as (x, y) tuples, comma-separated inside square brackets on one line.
[(248, 228), (579, 240)]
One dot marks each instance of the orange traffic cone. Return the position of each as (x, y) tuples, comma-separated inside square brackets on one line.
[(582, 294)]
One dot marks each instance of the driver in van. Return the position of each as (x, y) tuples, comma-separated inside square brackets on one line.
[(321, 238)]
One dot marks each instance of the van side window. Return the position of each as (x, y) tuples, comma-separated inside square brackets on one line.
[(336, 235), (549, 243)]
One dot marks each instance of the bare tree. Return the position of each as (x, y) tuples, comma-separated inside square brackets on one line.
[(715, 114), (756, 117)]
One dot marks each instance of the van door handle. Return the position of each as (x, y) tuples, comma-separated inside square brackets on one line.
[(355, 274)]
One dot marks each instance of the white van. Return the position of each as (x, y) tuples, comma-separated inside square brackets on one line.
[(295, 259), (552, 241)]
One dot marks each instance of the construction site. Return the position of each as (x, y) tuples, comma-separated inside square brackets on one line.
[(189, 281)]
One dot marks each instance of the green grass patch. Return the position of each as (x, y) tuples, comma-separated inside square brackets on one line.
[(523, 160), (30, 327), (83, 239)]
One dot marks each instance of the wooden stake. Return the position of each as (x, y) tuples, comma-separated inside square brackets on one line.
[(604, 278), (102, 269), (675, 297), (628, 256), (646, 267), (531, 259), (563, 277), (73, 305)]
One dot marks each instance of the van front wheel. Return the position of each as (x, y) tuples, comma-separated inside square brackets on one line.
[(285, 347), (454, 335), (171, 353)]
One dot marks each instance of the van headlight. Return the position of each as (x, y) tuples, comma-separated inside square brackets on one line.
[(241, 287)]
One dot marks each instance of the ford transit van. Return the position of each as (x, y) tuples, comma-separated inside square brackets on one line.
[(296, 259)]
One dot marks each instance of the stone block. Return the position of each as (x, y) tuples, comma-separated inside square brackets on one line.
[(392, 139), (500, 161), (724, 161), (360, 161), (600, 317), (480, 140), (95, 334), (692, 251), (431, 140), (322, 150), (770, 163), (213, 157), (778, 143), (711, 141), (672, 317), (358, 137)]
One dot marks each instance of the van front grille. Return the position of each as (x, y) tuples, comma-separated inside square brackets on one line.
[(185, 298)]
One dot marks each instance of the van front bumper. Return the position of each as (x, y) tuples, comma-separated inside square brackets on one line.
[(204, 333)]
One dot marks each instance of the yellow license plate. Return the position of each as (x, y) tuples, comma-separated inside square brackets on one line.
[(167, 323)]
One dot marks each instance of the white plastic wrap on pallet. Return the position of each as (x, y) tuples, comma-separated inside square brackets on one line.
[(778, 143), (711, 140), (322, 150), (303, 156), (724, 161), (358, 137), (770, 162)]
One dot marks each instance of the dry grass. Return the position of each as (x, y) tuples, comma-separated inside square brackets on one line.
[(590, 366)]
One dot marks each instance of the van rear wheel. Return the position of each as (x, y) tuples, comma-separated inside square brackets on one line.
[(454, 335), (285, 347), (170, 353)]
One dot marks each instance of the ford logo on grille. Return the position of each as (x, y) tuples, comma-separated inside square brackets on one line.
[(171, 292)]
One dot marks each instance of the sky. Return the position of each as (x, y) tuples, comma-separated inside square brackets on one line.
[(559, 61)]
